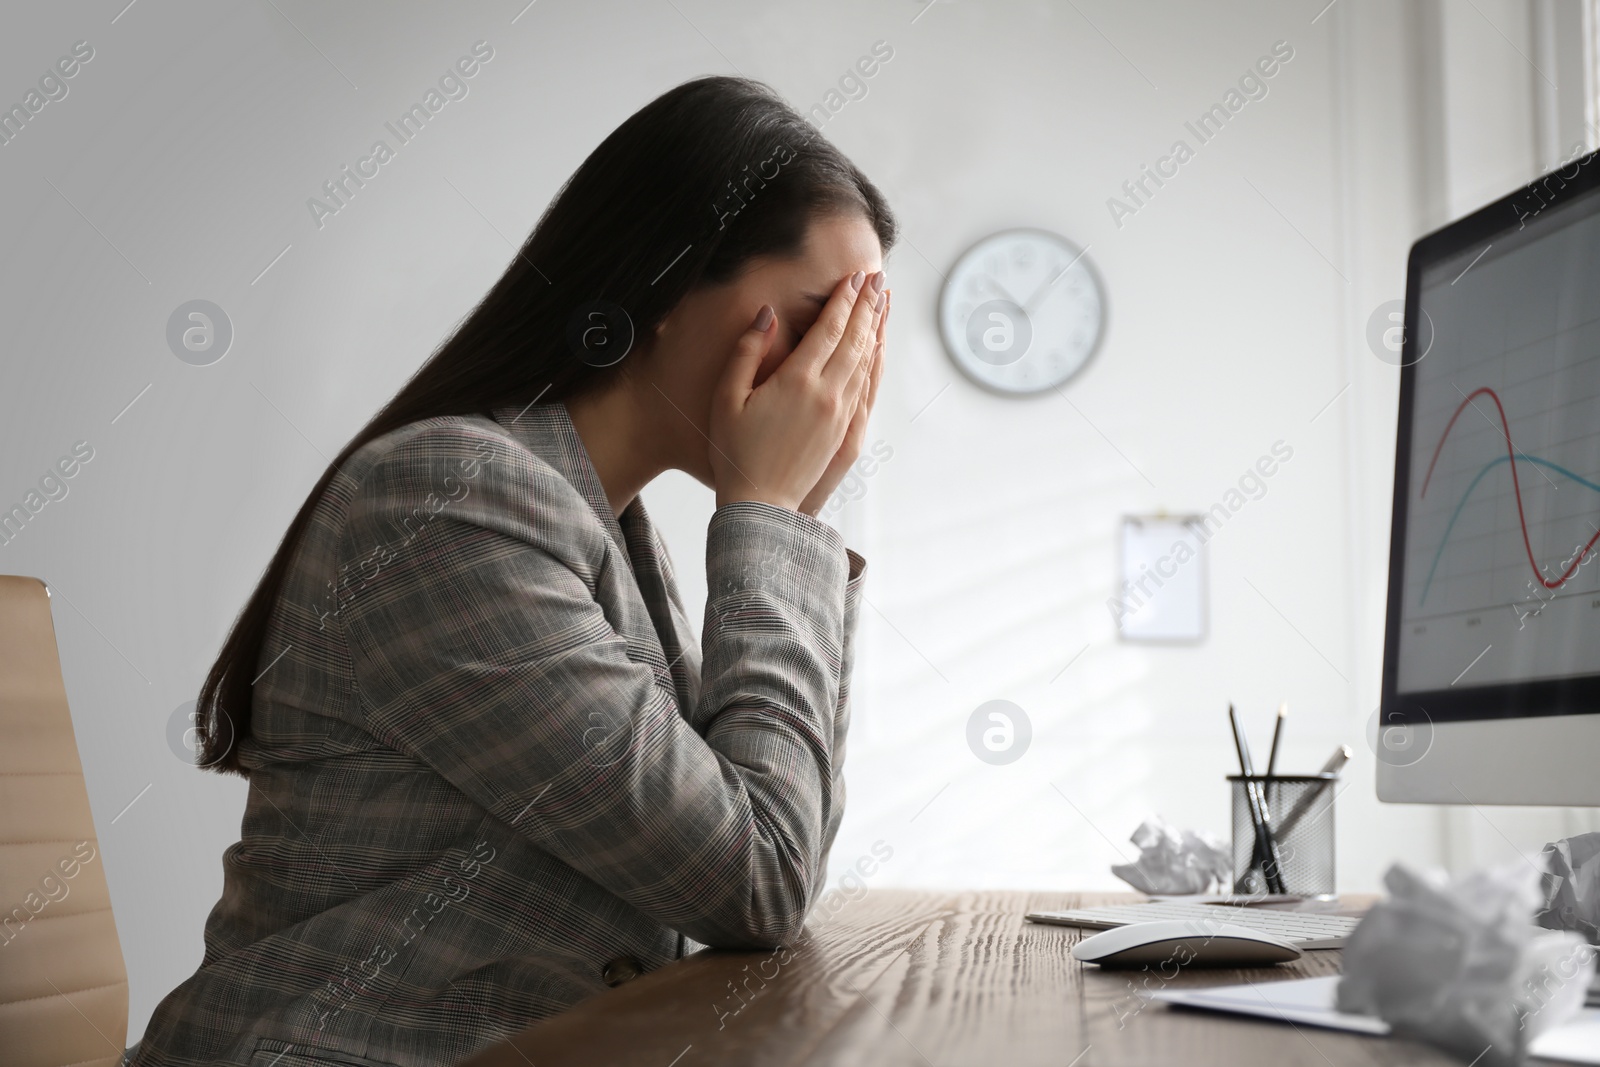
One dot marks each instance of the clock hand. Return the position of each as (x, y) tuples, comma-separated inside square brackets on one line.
[(997, 287), (1037, 293)]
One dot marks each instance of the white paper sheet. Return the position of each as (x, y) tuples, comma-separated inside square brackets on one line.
[(1162, 593), (1310, 1001)]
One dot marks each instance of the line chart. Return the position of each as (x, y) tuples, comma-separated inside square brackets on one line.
[(1510, 458), (1494, 579)]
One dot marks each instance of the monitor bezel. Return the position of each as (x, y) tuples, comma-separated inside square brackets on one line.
[(1579, 695)]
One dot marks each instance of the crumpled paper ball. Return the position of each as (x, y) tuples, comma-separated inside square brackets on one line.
[(1461, 965), (1572, 886), (1173, 861)]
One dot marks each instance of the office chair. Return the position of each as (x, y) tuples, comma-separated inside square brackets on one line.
[(63, 985)]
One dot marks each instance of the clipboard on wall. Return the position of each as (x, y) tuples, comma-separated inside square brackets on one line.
[(1161, 590)]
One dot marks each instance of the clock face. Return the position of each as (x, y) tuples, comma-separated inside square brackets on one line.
[(1022, 311)]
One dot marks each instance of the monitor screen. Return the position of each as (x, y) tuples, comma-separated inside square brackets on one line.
[(1495, 585)]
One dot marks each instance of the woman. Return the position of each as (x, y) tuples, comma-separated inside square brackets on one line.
[(491, 771)]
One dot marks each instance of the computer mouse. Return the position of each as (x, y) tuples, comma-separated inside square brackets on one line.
[(1184, 943)]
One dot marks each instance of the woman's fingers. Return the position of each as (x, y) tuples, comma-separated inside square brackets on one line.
[(869, 384), (863, 388), (876, 376), (738, 377), (788, 440), (857, 429), (868, 395), (855, 346), (817, 346), (861, 369), (879, 349)]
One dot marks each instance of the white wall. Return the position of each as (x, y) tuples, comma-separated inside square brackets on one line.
[(179, 165)]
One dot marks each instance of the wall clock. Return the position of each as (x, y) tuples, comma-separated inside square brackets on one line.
[(1022, 311)]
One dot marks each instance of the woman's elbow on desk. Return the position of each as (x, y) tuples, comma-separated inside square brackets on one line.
[(778, 886)]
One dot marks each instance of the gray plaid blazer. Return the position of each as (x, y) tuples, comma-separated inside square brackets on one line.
[(490, 773)]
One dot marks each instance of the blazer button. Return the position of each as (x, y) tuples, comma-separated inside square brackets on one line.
[(619, 970)]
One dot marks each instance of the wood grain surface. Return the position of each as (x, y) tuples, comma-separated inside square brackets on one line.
[(932, 979)]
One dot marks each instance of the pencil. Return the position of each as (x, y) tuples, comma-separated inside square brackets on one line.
[(1277, 733), (1266, 850)]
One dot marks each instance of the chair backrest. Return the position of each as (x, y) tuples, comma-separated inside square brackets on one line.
[(63, 986)]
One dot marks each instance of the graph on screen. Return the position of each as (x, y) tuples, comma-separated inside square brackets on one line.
[(1551, 576), (1502, 539)]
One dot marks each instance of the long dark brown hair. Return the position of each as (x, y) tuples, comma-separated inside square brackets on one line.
[(683, 194)]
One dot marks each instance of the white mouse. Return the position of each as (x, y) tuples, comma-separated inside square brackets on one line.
[(1184, 943)]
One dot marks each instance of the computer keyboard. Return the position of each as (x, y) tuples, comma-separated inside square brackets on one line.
[(1305, 929)]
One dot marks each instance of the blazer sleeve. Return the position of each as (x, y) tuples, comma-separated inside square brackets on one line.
[(481, 649), (841, 714)]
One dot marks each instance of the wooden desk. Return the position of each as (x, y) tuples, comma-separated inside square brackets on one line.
[(930, 979)]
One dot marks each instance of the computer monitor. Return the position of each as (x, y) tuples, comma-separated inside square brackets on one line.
[(1491, 664)]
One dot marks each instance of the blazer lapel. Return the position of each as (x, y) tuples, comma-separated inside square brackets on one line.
[(651, 619), (548, 431), (652, 568)]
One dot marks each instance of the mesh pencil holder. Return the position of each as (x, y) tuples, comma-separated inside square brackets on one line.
[(1299, 813)]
